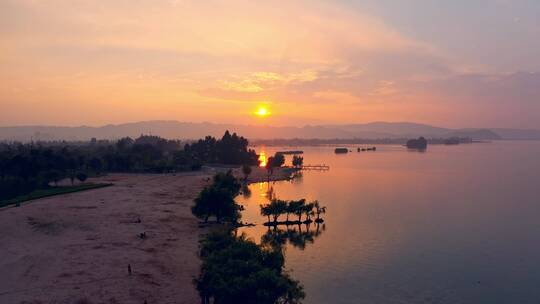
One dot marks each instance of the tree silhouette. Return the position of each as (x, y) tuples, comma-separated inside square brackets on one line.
[(279, 160), (96, 165), (318, 211), (273, 162), (297, 161), (275, 208), (291, 208), (298, 208), (230, 149), (218, 199), (214, 201), (308, 210), (270, 167), (236, 270), (228, 182)]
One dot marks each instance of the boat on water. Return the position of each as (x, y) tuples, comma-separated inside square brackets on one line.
[(341, 150)]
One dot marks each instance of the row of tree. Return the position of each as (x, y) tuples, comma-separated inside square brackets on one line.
[(230, 149), (27, 167), (297, 161), (278, 160), (278, 207), (24, 168)]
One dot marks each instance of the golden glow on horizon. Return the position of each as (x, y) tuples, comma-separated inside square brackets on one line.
[(262, 111)]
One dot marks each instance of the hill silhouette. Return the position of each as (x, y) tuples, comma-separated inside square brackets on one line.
[(188, 130)]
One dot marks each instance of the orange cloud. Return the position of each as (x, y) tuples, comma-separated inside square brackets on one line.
[(203, 60)]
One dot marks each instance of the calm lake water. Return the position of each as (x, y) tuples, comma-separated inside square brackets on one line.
[(455, 224)]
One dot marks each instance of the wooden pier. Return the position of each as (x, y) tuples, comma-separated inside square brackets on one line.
[(322, 167)]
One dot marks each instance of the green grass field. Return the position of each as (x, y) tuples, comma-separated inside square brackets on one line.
[(41, 193)]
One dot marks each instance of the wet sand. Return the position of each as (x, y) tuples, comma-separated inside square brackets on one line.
[(76, 248)]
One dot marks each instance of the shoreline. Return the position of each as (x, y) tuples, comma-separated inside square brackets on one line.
[(53, 191)]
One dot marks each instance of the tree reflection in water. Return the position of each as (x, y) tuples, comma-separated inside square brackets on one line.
[(245, 191), (298, 236)]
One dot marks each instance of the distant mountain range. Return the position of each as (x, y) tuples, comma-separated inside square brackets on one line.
[(186, 130)]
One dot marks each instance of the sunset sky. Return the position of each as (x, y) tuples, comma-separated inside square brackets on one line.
[(461, 63)]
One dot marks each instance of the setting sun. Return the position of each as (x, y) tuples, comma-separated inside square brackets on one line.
[(262, 112)]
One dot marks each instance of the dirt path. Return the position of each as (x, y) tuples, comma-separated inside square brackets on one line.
[(76, 248)]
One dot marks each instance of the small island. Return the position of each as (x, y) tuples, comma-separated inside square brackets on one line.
[(417, 144)]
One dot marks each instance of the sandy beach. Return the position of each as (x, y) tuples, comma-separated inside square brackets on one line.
[(76, 248)]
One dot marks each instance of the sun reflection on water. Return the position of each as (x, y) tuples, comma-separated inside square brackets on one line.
[(262, 159)]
